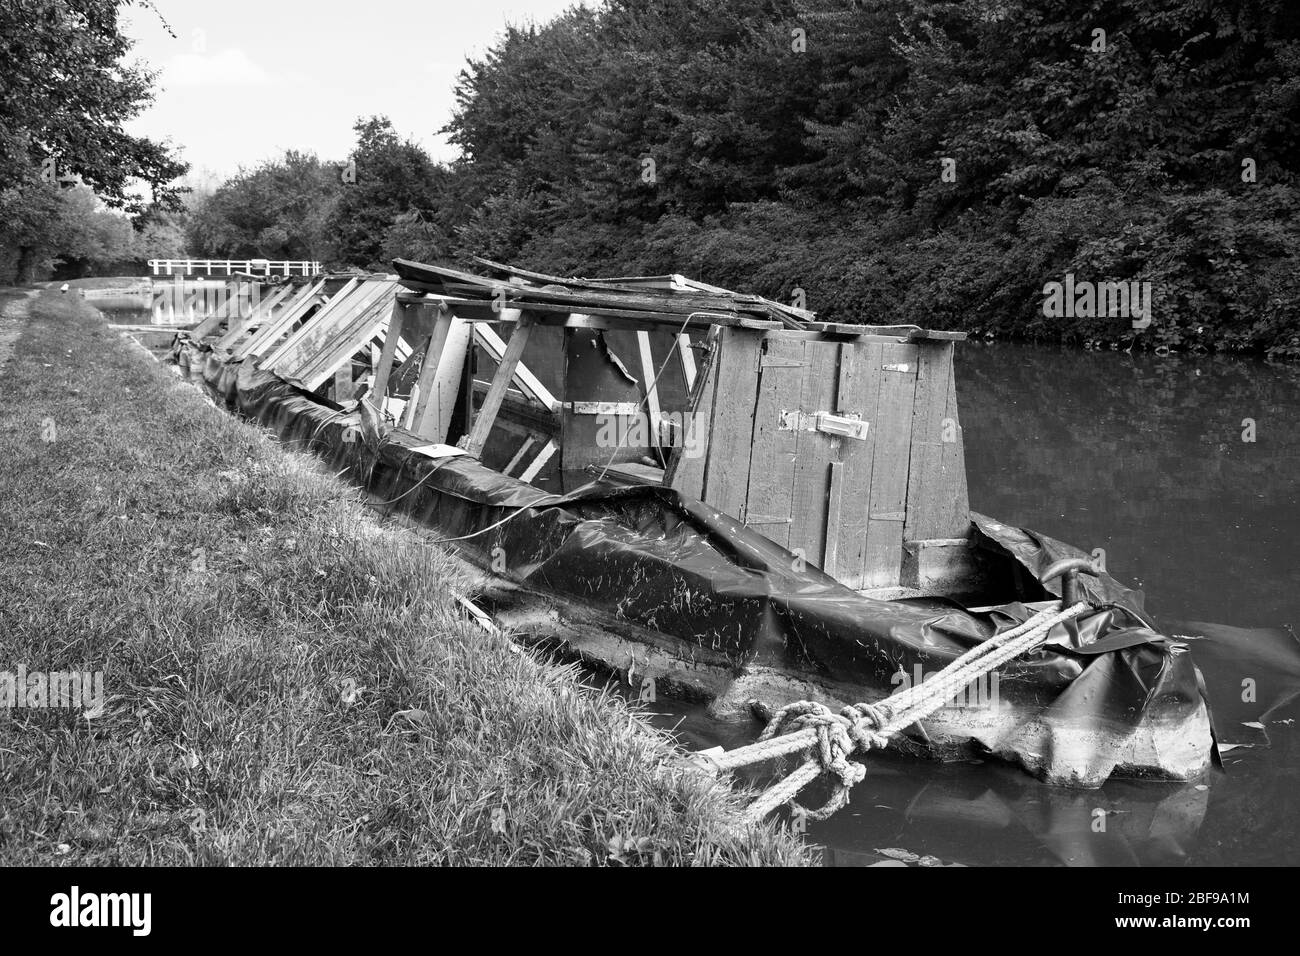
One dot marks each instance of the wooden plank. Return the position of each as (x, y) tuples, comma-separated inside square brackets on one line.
[(672, 282), (421, 421), (263, 313), (312, 353), (925, 487), (685, 471), (687, 357), (814, 451), (592, 317), (222, 313), (421, 276), (649, 387), (529, 441), (342, 342), (528, 383), (772, 456), (272, 330), (953, 518), (487, 413), (341, 302), (543, 456), (834, 508), (890, 465), (275, 329), (857, 392), (384, 367), (731, 427), (911, 333)]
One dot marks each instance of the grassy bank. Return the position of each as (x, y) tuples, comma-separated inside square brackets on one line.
[(287, 681)]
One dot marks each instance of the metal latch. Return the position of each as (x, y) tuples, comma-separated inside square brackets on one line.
[(846, 426)]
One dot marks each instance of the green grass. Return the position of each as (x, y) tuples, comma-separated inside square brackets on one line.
[(306, 693)]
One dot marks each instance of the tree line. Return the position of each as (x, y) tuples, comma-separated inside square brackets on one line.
[(938, 162), (75, 188)]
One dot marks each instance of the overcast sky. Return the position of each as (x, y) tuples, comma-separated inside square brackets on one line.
[(243, 80)]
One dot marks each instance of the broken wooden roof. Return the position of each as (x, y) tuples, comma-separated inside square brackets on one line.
[(671, 300)]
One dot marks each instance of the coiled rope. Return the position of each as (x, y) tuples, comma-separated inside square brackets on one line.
[(832, 738)]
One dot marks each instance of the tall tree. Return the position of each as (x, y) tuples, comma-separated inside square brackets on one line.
[(65, 91), (277, 210), (385, 178)]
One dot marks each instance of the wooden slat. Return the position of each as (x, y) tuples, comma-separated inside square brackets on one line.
[(487, 413), (834, 510), (422, 420), (271, 349), (731, 429), (392, 337), (592, 317), (275, 329), (538, 463), (925, 486), (313, 352), (953, 519), (857, 392), (263, 313), (892, 457), (529, 441), (528, 383), (340, 341), (649, 387), (638, 284), (814, 452), (415, 275), (685, 472), (772, 456), (687, 358)]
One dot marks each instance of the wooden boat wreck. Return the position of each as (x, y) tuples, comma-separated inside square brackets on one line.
[(713, 492)]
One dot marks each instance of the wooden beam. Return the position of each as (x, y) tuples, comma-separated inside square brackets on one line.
[(688, 360), (528, 383), (483, 310), (650, 387), (427, 383), (385, 366), (529, 442), (543, 456), (487, 414)]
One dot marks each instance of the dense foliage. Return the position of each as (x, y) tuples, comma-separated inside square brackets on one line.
[(66, 88), (802, 143), (927, 161)]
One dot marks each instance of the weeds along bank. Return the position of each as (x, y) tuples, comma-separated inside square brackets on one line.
[(285, 680)]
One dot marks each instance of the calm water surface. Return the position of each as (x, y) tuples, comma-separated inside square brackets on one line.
[(1143, 457)]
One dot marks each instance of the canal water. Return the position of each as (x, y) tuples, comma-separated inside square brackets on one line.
[(1150, 459)]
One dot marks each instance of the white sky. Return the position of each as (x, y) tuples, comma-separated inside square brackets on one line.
[(243, 80)]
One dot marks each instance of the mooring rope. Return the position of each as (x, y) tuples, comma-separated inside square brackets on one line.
[(832, 738)]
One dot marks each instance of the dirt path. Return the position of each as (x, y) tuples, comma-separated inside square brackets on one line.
[(13, 319)]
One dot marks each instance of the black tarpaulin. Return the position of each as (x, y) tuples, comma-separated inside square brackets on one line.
[(650, 556)]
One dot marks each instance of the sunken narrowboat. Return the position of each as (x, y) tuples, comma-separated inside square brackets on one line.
[(714, 493)]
